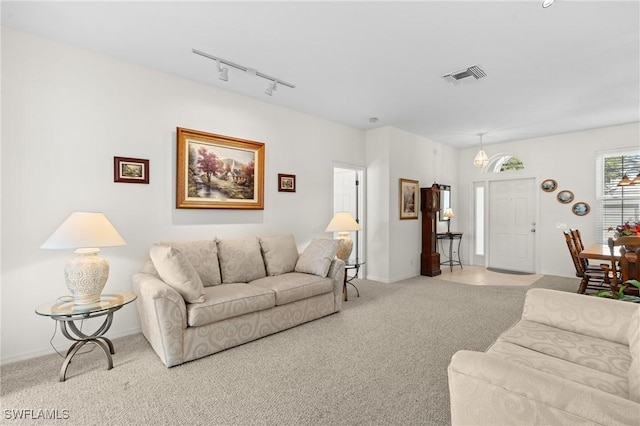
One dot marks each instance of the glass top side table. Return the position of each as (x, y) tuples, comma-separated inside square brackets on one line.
[(348, 280), (66, 312)]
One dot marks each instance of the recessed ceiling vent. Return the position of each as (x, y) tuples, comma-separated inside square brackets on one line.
[(468, 75)]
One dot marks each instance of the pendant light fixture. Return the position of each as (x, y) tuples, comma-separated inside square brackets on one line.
[(481, 159), (625, 181)]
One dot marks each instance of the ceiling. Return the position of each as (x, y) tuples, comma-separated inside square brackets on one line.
[(570, 67)]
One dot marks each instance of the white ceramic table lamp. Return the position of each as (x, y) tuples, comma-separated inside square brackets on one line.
[(448, 213), (343, 223), (87, 272)]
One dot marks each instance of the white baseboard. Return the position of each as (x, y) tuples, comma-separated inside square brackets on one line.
[(48, 351), (379, 279)]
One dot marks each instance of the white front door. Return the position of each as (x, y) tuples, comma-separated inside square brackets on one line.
[(512, 214)]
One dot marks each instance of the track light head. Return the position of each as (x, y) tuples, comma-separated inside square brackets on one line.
[(224, 72), (272, 87)]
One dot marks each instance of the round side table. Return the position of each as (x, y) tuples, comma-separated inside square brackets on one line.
[(66, 313)]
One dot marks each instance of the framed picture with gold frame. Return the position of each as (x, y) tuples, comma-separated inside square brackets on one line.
[(408, 199), (218, 172)]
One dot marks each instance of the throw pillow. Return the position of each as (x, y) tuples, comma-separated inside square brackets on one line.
[(316, 258), (240, 260), (175, 270), (280, 253), (203, 255)]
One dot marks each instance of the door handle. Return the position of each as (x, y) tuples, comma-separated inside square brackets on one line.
[(533, 229)]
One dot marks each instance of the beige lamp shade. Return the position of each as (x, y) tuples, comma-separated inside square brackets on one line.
[(448, 213), (343, 223), (84, 230), (87, 272)]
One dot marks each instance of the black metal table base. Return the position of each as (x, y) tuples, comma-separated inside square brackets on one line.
[(451, 262)]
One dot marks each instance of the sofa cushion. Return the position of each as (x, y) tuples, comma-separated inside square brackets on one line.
[(240, 260), (203, 255), (634, 349), (316, 258), (175, 270), (280, 253), (560, 368), (227, 301), (599, 354), (295, 286)]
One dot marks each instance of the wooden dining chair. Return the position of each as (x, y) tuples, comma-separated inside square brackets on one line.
[(627, 268), (577, 241), (592, 279)]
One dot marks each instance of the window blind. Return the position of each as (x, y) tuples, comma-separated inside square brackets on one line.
[(616, 204)]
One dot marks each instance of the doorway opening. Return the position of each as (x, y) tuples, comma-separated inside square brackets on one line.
[(348, 196)]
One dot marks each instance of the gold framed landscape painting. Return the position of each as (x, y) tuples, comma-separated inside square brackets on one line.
[(408, 199), (219, 172)]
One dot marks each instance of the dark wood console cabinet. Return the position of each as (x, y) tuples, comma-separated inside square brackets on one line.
[(429, 205)]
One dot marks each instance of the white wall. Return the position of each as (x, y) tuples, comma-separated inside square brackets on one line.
[(67, 112), (394, 245), (570, 159)]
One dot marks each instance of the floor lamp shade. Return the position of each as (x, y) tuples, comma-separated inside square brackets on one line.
[(87, 272), (343, 223)]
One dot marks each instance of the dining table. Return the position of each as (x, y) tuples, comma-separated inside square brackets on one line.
[(602, 252), (598, 252)]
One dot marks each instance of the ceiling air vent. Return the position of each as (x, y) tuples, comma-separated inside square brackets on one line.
[(468, 75)]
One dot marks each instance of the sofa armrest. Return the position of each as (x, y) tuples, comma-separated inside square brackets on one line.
[(163, 317), (592, 316), (336, 273), (485, 389)]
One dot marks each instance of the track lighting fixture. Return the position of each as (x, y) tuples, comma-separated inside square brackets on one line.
[(271, 88), (224, 72)]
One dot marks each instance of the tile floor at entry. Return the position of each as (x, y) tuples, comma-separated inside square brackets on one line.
[(479, 275)]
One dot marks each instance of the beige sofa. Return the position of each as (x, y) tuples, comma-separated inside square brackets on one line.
[(196, 298), (571, 359)]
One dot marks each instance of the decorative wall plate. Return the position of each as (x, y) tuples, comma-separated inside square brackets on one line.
[(565, 196), (549, 185), (581, 209)]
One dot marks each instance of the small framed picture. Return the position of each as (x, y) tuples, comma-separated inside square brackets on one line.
[(565, 197), (581, 209), (286, 183), (409, 199), (549, 185), (130, 170)]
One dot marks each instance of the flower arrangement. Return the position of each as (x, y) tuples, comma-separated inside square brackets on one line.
[(626, 229)]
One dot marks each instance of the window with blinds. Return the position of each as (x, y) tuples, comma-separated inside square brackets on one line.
[(617, 204)]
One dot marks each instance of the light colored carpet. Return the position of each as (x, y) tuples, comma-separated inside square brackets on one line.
[(382, 360)]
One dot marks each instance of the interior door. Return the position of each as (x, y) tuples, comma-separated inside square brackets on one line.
[(348, 196), (512, 226)]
